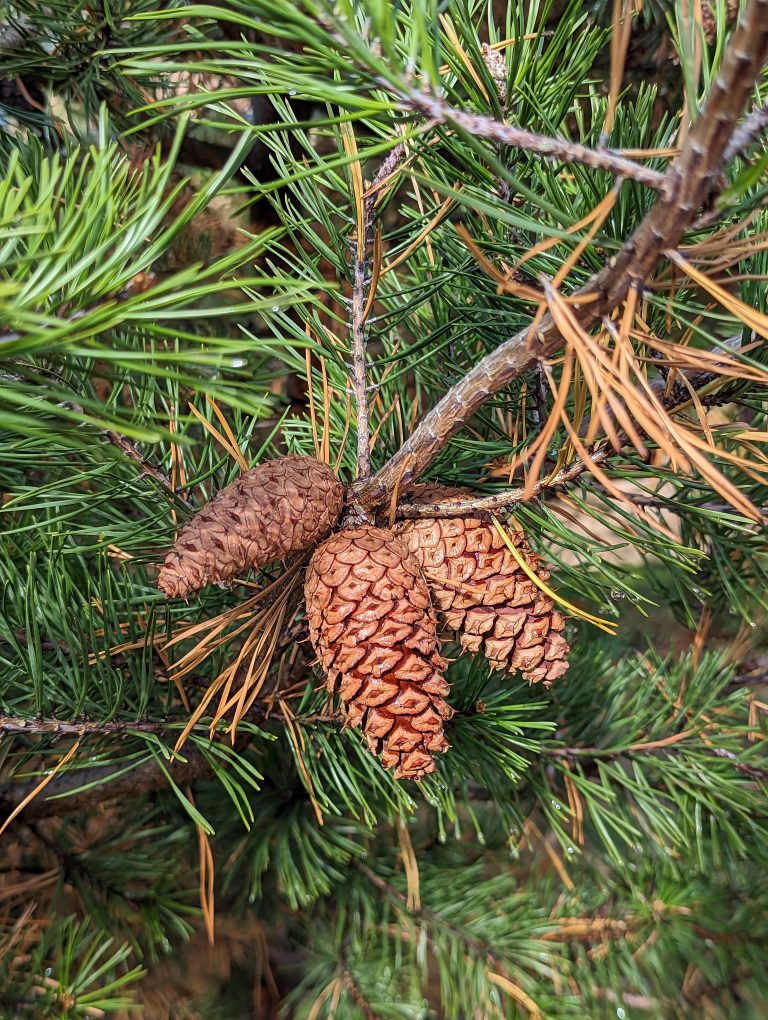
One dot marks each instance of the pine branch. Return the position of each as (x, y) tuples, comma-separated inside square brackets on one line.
[(558, 149), (11, 36), (139, 284), (690, 181), (132, 452), (359, 344), (12, 724), (594, 754)]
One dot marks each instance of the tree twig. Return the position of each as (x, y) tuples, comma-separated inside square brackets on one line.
[(559, 149), (690, 179), (132, 452), (107, 782), (12, 724), (360, 308), (747, 132), (110, 784), (499, 500)]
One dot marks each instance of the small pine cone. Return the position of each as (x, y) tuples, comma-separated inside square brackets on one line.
[(375, 631), (709, 18), (483, 593), (282, 506)]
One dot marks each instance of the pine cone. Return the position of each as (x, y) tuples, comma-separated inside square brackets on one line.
[(375, 631), (483, 593), (279, 507), (709, 19)]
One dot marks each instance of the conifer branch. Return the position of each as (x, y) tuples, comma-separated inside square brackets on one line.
[(359, 343), (690, 181), (12, 724), (107, 782), (558, 149), (502, 500)]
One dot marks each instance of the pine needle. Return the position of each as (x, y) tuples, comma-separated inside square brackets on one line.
[(232, 450), (623, 10), (207, 874), (410, 866), (515, 992), (751, 317)]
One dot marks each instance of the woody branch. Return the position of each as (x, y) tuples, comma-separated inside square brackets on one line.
[(558, 149)]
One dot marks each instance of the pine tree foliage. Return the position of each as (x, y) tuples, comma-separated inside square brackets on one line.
[(173, 311)]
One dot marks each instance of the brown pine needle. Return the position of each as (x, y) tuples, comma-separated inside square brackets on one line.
[(297, 739), (450, 31), (607, 625), (233, 451), (410, 867), (40, 786), (345, 433), (392, 407), (623, 11), (375, 271), (751, 317), (506, 283), (233, 443), (515, 992), (207, 875), (325, 444), (541, 444), (261, 629), (439, 216), (311, 396), (349, 142)]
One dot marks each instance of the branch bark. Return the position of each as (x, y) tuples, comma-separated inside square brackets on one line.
[(748, 132), (690, 181), (11, 724)]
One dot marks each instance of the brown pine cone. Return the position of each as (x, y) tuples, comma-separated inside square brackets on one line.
[(375, 631), (483, 593), (281, 506), (709, 19)]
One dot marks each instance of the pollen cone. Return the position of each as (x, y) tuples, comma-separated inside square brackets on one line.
[(280, 507), (375, 632), (483, 593)]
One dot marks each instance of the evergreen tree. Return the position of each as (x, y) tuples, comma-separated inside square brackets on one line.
[(518, 250)]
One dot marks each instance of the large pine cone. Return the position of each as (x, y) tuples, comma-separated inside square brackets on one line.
[(279, 507), (375, 631), (483, 593)]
